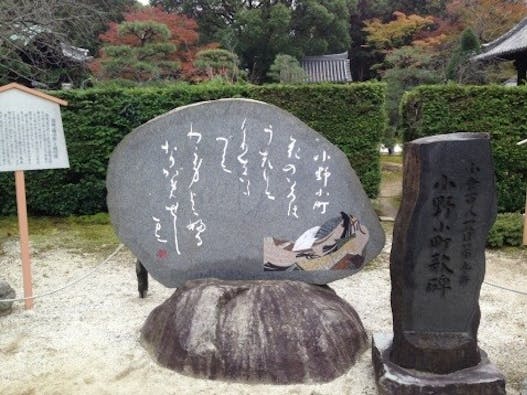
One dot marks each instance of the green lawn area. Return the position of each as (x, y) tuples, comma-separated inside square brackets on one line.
[(89, 233), (392, 159)]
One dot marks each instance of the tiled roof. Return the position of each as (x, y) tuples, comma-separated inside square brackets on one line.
[(327, 68), (76, 54), (507, 45)]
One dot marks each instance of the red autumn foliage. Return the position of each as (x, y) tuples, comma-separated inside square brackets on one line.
[(183, 34), (444, 33), (183, 29)]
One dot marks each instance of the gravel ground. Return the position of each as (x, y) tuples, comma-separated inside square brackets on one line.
[(84, 339)]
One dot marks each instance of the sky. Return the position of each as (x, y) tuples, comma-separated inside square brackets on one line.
[(145, 2)]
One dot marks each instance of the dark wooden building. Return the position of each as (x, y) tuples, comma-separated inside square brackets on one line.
[(509, 46)]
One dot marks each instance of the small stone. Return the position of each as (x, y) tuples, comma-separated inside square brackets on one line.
[(89, 380), (255, 331), (6, 292)]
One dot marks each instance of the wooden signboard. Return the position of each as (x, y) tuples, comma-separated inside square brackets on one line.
[(32, 138)]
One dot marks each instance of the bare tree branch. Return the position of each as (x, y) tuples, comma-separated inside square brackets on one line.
[(39, 38)]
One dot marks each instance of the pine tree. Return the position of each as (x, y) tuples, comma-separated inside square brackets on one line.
[(460, 69)]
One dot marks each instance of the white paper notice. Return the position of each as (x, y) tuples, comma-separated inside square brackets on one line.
[(31, 133)]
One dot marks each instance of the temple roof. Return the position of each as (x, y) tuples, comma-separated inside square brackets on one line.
[(507, 45), (26, 34), (327, 68)]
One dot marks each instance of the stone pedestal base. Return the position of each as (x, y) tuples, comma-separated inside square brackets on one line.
[(482, 379), (280, 332)]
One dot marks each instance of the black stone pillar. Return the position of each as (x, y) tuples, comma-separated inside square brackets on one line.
[(437, 267), (521, 68), (438, 253)]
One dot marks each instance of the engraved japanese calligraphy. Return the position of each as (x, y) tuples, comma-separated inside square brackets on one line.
[(211, 189), (443, 202)]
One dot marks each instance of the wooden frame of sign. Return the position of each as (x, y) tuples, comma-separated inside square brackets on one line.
[(32, 139), (525, 214)]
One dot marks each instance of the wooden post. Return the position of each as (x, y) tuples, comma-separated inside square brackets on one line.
[(24, 236), (34, 132), (525, 222), (525, 213)]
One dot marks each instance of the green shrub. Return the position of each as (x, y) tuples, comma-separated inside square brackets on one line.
[(506, 231), (96, 120), (287, 69), (500, 111), (95, 219)]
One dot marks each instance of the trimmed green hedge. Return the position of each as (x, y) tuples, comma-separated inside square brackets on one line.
[(350, 116), (500, 111), (506, 231)]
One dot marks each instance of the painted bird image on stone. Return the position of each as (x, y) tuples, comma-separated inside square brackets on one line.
[(337, 244)]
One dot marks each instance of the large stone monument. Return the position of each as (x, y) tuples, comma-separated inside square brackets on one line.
[(437, 267), (237, 189)]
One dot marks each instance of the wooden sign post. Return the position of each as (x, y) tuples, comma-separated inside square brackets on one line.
[(525, 222), (32, 139), (525, 213)]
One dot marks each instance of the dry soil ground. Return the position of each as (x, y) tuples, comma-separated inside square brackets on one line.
[(84, 339)]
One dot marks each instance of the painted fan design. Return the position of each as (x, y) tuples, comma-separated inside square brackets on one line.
[(336, 244)]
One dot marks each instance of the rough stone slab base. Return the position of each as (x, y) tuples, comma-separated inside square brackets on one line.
[(279, 332), (482, 379)]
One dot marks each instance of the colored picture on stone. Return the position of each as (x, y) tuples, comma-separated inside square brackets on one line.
[(337, 244)]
